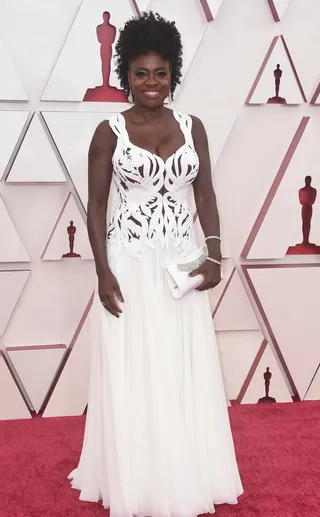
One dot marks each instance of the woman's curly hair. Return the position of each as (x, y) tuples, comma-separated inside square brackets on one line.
[(142, 34)]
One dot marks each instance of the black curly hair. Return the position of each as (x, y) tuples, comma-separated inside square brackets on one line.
[(144, 33)]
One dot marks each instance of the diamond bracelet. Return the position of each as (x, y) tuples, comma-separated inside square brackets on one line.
[(212, 237), (214, 260)]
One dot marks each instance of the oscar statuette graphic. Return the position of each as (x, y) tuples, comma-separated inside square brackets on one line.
[(106, 34), (267, 380), (71, 234), (307, 198), (277, 79)]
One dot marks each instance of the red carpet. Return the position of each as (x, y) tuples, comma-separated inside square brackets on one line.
[(278, 449)]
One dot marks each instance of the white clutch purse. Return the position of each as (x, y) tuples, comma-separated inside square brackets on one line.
[(177, 273)]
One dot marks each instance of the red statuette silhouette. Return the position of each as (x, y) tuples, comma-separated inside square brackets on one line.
[(267, 380), (71, 233), (307, 198), (277, 78), (106, 34)]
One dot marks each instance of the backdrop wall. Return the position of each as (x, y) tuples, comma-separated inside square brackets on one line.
[(56, 86)]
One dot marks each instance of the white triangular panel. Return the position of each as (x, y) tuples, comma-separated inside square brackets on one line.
[(237, 351), (235, 311), (70, 395), (290, 300), (216, 293), (313, 392), (11, 88), (72, 133), (214, 6), (58, 243), (282, 226), (36, 369), (289, 88), (11, 286), (219, 128), (79, 65), (11, 125), (52, 304), (278, 386), (36, 160), (278, 7), (11, 246), (12, 405)]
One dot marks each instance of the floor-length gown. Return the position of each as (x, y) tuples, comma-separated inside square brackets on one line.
[(157, 440)]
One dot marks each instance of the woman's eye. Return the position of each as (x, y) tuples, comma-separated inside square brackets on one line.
[(161, 74), (140, 74)]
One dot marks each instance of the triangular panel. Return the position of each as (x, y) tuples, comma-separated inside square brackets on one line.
[(257, 389), (237, 352), (11, 246), (235, 311), (12, 405), (11, 88), (313, 392), (216, 294), (278, 8), (52, 304), (211, 8), (315, 97), (69, 238), (11, 286), (72, 133), (36, 161), (288, 297), (11, 126), (285, 211), (36, 369), (277, 82), (70, 395), (79, 67)]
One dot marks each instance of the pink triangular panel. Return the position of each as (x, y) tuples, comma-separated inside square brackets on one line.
[(36, 161), (70, 395), (12, 405), (289, 297), (313, 392), (237, 352), (72, 133), (278, 387), (278, 8), (69, 237), (11, 245), (11, 126), (235, 311), (73, 77), (11, 88), (277, 66), (36, 369), (11, 286)]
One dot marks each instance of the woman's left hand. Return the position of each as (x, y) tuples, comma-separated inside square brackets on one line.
[(211, 273)]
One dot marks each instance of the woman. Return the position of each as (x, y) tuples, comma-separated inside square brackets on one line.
[(157, 440)]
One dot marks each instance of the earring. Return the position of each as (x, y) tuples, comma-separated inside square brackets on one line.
[(130, 96)]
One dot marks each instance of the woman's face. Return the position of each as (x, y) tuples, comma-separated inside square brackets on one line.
[(150, 79)]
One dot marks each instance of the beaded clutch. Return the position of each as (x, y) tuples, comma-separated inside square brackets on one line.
[(177, 273)]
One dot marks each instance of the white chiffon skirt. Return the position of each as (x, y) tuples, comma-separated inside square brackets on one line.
[(157, 440)]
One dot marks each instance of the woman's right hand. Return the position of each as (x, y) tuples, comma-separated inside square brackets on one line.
[(109, 292)]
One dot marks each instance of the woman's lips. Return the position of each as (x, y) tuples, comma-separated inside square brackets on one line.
[(152, 94)]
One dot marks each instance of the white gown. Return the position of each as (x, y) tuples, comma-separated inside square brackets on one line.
[(157, 439)]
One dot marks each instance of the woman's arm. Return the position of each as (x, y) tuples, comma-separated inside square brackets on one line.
[(206, 204), (99, 181)]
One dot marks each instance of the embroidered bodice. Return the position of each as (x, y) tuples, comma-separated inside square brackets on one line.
[(153, 193)]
